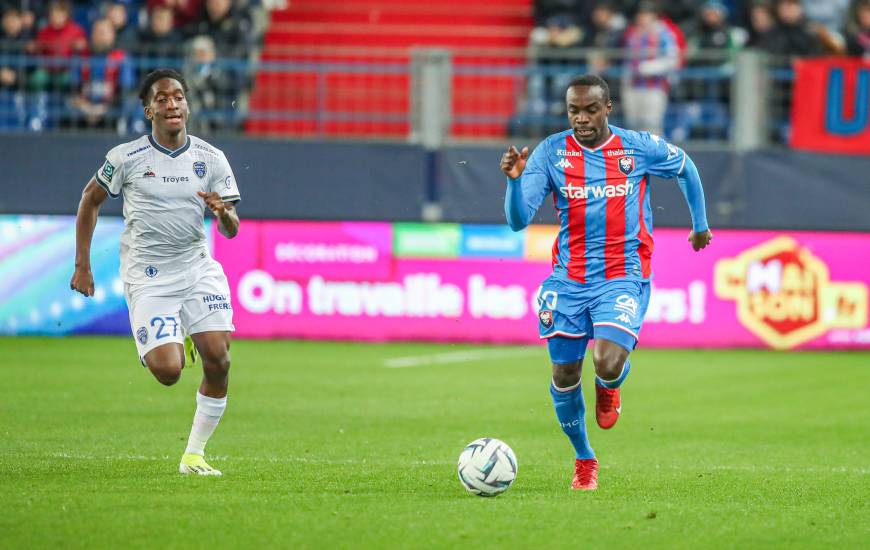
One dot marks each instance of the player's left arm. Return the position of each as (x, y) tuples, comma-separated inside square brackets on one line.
[(670, 161), (221, 197), (690, 184), (225, 212)]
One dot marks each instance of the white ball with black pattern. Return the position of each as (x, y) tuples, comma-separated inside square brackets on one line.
[(487, 467)]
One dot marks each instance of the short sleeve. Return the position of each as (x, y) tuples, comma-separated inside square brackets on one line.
[(663, 159), (223, 181), (111, 174)]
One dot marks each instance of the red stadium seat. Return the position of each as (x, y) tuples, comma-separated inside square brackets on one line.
[(342, 69)]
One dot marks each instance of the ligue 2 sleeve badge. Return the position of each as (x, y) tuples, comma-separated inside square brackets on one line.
[(108, 171)]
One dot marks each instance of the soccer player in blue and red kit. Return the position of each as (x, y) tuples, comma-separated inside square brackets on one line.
[(600, 286)]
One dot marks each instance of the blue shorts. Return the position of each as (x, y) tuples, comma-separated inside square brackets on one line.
[(612, 310)]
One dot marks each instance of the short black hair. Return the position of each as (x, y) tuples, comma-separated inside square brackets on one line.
[(154, 76), (591, 80)]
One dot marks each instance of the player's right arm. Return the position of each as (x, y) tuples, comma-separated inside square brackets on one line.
[(527, 185), (108, 181), (93, 197)]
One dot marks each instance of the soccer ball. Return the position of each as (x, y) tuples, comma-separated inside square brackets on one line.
[(487, 467)]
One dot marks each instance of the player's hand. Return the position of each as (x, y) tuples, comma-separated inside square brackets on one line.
[(513, 162), (700, 240), (214, 202), (82, 281)]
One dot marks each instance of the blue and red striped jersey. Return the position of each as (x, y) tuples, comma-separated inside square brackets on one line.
[(602, 199)]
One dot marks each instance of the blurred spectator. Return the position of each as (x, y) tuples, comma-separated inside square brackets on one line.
[(126, 32), (712, 41), (830, 13), (56, 43), (161, 41), (229, 26), (652, 58), (679, 38), (13, 69), (550, 51), (27, 9), (605, 29), (826, 19), (711, 31), (13, 43), (604, 33), (681, 12), (61, 36), (791, 36), (858, 30), (213, 90), (14, 28), (103, 77), (185, 12), (576, 10), (561, 32), (761, 22)]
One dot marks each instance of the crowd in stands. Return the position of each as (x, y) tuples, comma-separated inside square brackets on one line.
[(77, 64), (643, 46), (780, 27), (67, 63)]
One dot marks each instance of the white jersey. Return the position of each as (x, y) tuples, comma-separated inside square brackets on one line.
[(164, 229)]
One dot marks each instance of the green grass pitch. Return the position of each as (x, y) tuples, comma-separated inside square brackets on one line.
[(325, 445)]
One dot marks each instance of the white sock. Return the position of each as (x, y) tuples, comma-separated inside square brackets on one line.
[(208, 413)]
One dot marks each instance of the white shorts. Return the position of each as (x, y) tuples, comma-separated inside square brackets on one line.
[(162, 314)]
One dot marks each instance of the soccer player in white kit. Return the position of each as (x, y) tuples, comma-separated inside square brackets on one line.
[(172, 285)]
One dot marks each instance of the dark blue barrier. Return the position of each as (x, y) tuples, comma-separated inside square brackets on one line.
[(277, 179), (775, 189)]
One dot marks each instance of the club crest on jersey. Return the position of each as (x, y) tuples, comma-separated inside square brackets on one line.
[(142, 335), (546, 317), (150, 271), (199, 169), (626, 165)]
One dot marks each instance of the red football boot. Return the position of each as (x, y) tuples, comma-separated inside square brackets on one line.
[(585, 474), (607, 406)]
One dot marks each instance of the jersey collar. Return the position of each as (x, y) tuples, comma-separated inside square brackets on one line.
[(166, 151), (612, 135)]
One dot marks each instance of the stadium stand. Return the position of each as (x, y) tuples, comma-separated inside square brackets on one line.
[(346, 70), (318, 58)]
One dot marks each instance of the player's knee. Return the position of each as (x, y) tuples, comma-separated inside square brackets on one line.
[(565, 376), (166, 374), (608, 364), (217, 365)]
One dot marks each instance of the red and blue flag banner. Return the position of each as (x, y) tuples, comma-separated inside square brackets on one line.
[(830, 104)]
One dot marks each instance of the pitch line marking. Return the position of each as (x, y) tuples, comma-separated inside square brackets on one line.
[(450, 357), (351, 461)]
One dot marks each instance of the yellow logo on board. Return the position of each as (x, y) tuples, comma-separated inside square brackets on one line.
[(784, 295)]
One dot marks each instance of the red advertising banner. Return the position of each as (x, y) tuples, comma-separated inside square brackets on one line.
[(830, 105)]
